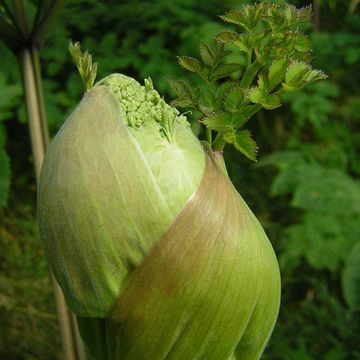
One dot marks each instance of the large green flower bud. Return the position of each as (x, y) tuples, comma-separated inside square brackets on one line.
[(143, 229)]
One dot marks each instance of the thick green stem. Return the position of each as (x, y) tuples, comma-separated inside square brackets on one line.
[(219, 143), (209, 136)]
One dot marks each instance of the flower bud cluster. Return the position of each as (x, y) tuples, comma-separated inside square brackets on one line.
[(141, 104)]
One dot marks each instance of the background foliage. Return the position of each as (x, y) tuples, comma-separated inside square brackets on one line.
[(304, 188)]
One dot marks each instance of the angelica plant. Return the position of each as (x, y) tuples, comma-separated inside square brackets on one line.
[(155, 250), (274, 58)]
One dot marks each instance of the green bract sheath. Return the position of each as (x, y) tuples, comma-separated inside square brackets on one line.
[(146, 234)]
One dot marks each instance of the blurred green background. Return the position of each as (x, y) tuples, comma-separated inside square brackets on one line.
[(304, 189)]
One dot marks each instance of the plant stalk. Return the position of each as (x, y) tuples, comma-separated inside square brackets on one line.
[(39, 140), (24, 40), (219, 143)]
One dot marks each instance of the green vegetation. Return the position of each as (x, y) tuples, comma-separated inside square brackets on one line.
[(304, 187)]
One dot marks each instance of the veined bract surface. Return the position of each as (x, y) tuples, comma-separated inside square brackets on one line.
[(144, 230)]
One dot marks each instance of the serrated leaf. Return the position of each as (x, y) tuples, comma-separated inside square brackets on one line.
[(236, 17), (295, 72), (181, 88), (220, 53), (206, 110), (224, 70), (218, 121), (182, 103), (227, 37), (248, 110), (244, 43), (277, 72), (243, 142), (314, 75), (256, 95), (263, 84), (295, 16), (238, 120), (223, 89), (207, 54), (247, 17), (303, 14), (302, 43), (210, 99), (190, 63), (300, 74), (233, 99), (271, 102)]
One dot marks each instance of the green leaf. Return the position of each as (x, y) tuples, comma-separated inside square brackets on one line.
[(233, 99), (218, 121), (207, 54), (187, 97), (256, 95), (302, 43), (238, 120), (227, 37), (243, 142), (224, 70), (319, 239), (351, 278), (247, 17), (260, 95), (206, 110), (295, 72), (236, 17), (182, 103), (190, 63), (219, 53), (277, 72), (181, 88), (329, 191), (271, 102), (295, 16), (223, 89), (83, 61), (314, 75)]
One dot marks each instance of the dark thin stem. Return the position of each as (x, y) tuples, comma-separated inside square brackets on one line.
[(21, 17), (12, 18), (46, 20), (37, 16), (38, 84)]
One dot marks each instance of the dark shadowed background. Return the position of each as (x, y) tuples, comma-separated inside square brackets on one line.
[(304, 189)]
